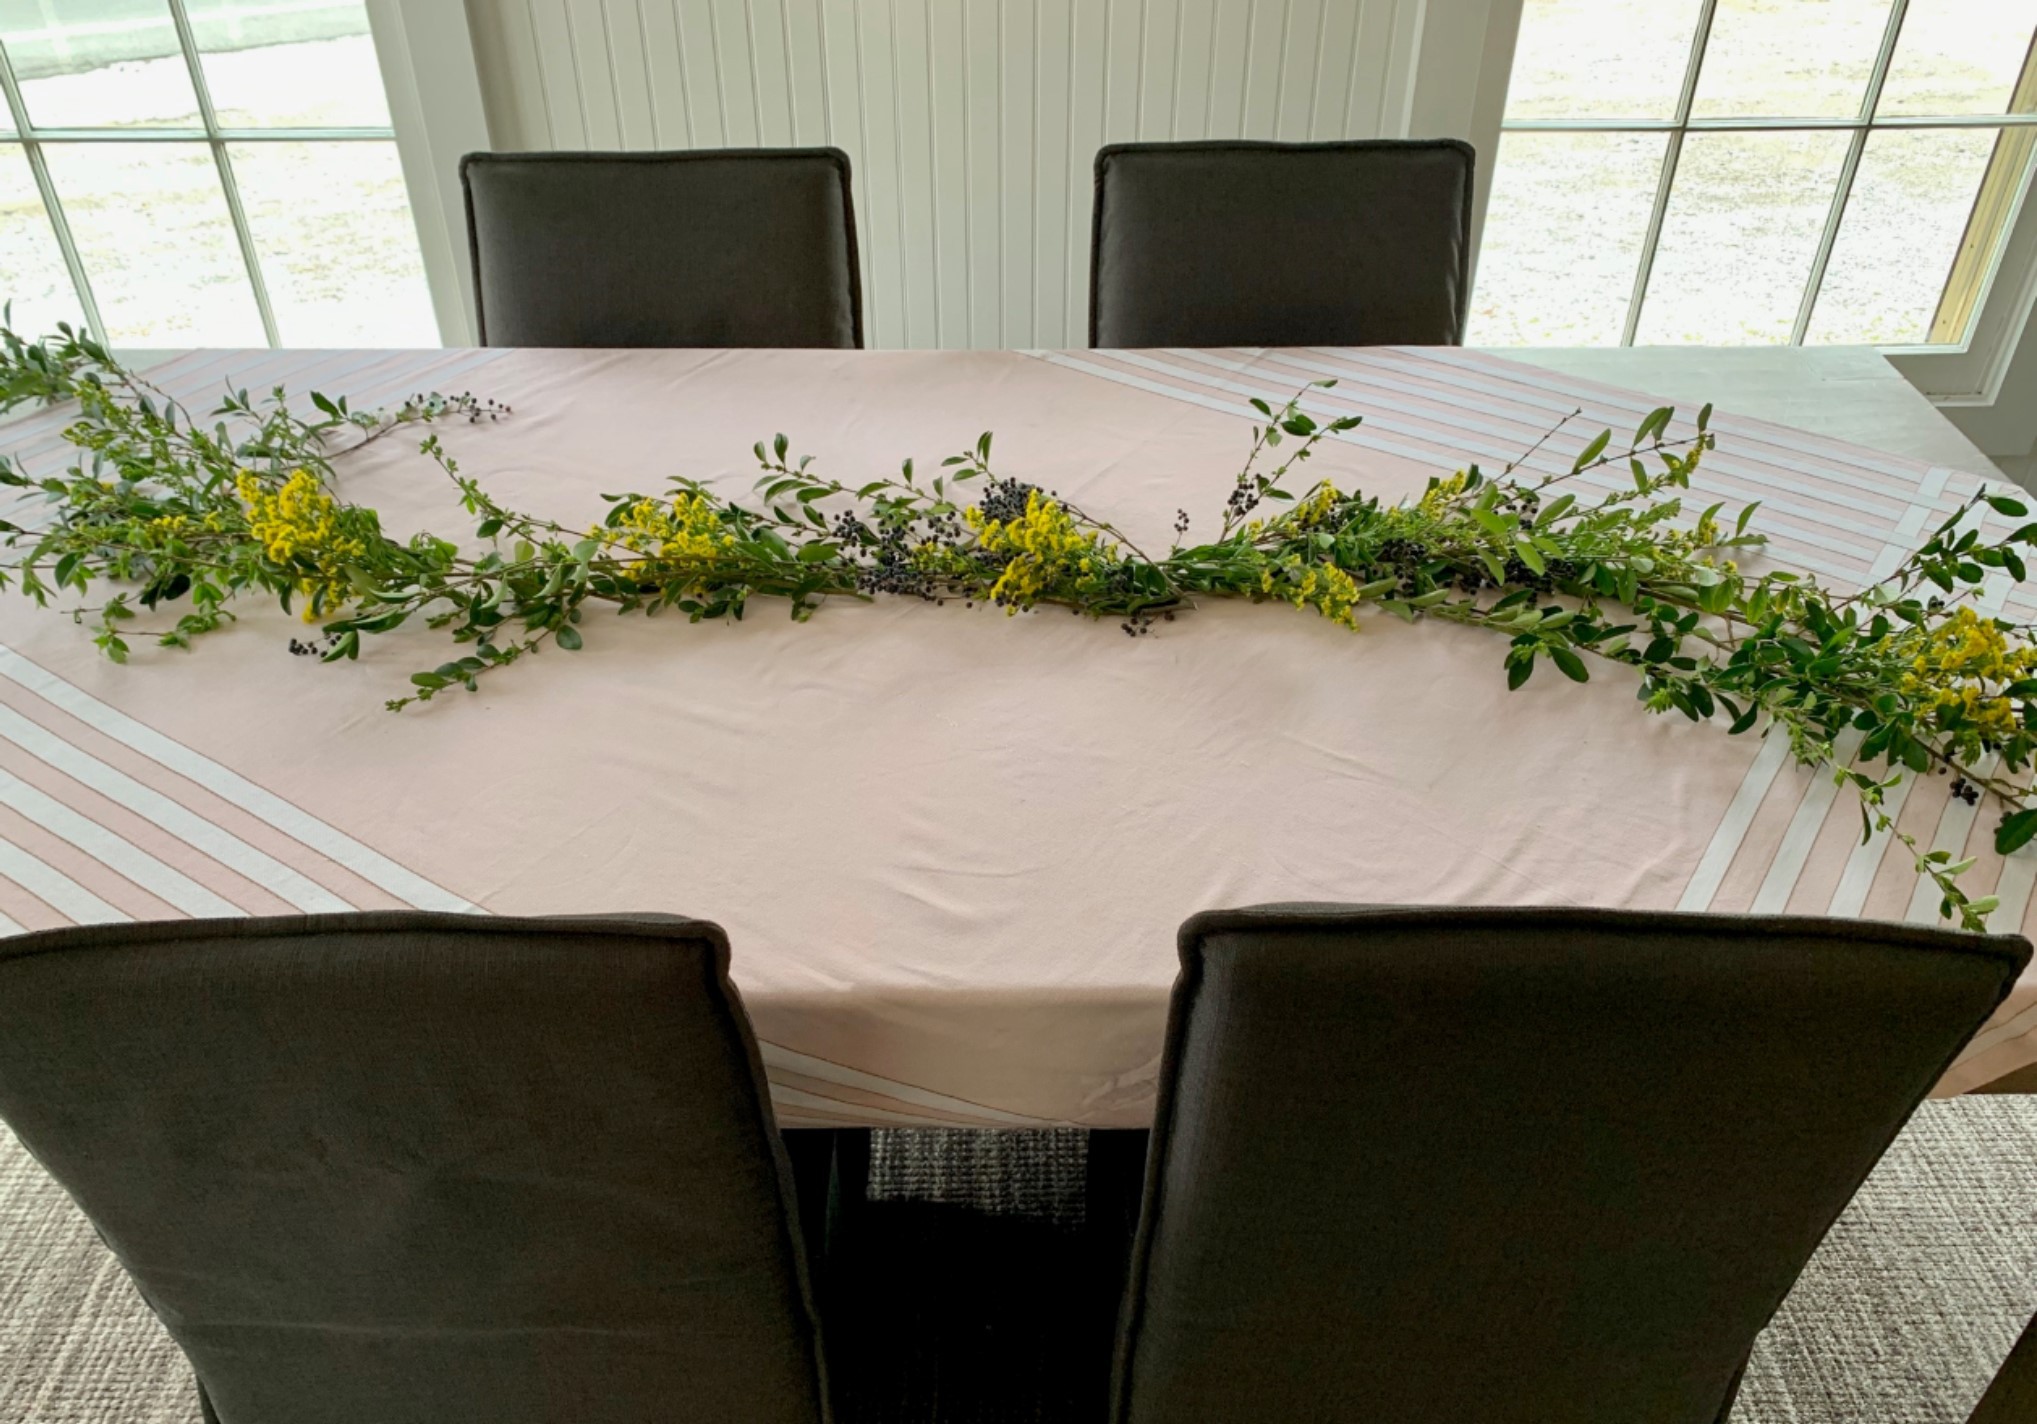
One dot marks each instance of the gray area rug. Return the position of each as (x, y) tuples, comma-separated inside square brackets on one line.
[(1902, 1318)]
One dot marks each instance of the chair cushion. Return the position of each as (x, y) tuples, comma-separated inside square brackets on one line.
[(1272, 244), (715, 248)]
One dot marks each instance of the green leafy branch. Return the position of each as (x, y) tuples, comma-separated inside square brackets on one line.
[(167, 516)]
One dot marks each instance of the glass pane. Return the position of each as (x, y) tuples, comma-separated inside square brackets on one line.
[(105, 63), (1563, 238), (1600, 59), (152, 228), (1739, 238), (338, 248), (1956, 57), (1790, 59), (307, 65), (32, 274), (1903, 226)]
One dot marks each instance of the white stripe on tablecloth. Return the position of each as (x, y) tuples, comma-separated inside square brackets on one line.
[(800, 1098), (1955, 824), (2019, 874), (178, 820), (1796, 554), (792, 1061), (1902, 538), (1866, 858), (1518, 432), (1454, 422), (115, 852), (1567, 387), (371, 865), (1940, 488), (1718, 857), (790, 1116), (1228, 407), (1812, 812), (11, 926), (1780, 494), (1857, 879), (1815, 809), (1835, 509), (56, 889), (1865, 862)]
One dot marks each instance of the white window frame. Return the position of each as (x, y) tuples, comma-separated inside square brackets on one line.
[(1683, 122), (1970, 373), (1464, 52), (433, 81), (33, 139)]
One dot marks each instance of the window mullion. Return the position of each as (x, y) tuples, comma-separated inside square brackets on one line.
[(1843, 194), (188, 41), (1735, 124), (53, 207), (246, 239), (1672, 153), (120, 135)]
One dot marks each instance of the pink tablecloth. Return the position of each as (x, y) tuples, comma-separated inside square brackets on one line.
[(951, 848)]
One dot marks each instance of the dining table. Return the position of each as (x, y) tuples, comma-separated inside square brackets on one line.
[(952, 846)]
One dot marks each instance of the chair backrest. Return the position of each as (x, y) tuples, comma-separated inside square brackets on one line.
[(413, 1168), (1513, 1166), (2012, 1398), (1281, 244), (716, 248)]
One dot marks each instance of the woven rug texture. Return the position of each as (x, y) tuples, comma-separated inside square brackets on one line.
[(969, 1239)]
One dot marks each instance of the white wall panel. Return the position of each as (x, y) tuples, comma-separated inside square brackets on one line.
[(948, 163), (1054, 76), (972, 124)]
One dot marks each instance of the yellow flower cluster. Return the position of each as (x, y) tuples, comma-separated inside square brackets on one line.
[(1962, 668), (298, 525), (1436, 500), (689, 529), (1323, 587), (1317, 507), (1695, 540), (1046, 547), (166, 528)]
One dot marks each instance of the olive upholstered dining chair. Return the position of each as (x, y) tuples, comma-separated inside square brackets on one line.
[(1364, 243), (2012, 1398), (1513, 1165), (712, 247), (413, 1168)]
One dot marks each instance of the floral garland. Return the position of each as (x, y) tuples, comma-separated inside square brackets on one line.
[(174, 518)]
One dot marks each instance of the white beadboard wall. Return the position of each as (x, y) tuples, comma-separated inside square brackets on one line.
[(972, 125)]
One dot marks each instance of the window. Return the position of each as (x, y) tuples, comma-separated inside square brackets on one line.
[(1739, 172), (204, 173)]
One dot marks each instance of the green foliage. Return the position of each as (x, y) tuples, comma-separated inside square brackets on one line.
[(165, 515)]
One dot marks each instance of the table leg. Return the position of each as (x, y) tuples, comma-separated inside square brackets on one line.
[(812, 1150), (1114, 1185)]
